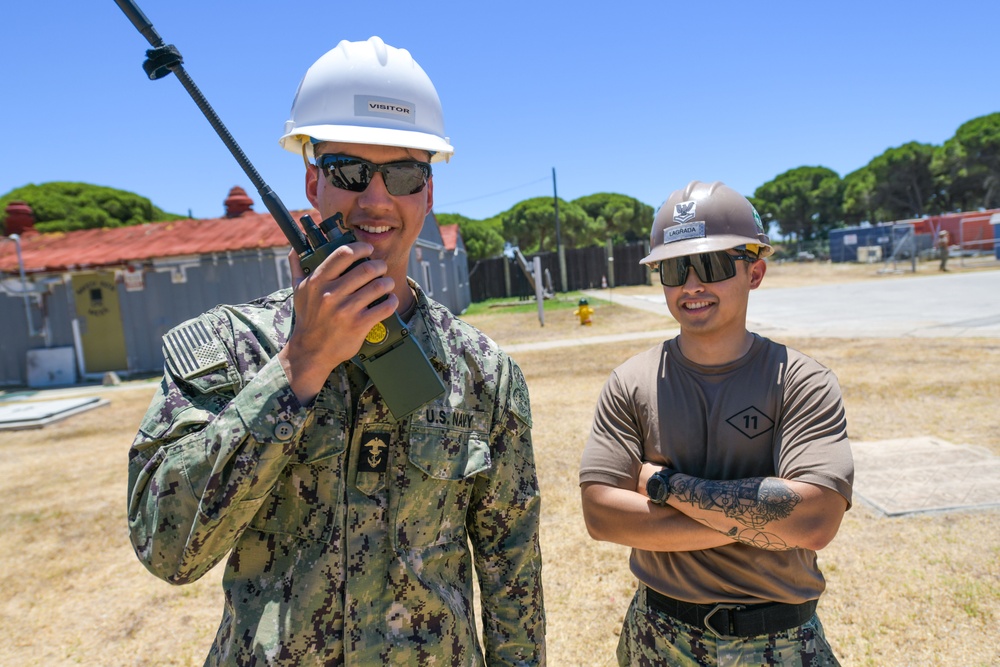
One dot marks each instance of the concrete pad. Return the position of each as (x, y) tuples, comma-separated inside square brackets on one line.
[(20, 415), (925, 474), (939, 306)]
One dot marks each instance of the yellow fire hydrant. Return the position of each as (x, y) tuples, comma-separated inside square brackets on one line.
[(584, 311)]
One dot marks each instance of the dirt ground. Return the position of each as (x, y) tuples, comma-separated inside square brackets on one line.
[(918, 590)]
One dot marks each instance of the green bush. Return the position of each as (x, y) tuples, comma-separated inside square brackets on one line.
[(65, 206)]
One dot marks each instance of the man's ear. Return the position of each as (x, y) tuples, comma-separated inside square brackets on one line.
[(757, 271), (312, 185), (430, 195)]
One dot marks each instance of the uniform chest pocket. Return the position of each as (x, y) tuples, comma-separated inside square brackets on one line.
[(438, 479), (307, 499)]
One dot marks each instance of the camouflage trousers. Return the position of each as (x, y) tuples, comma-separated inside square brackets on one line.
[(650, 638)]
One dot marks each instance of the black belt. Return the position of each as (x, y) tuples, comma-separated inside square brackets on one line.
[(732, 621)]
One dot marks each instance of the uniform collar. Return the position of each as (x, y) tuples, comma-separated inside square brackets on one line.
[(428, 325)]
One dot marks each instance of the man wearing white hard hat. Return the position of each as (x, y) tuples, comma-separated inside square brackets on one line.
[(352, 535), (720, 457)]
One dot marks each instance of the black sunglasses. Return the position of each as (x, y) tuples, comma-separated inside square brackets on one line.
[(406, 177), (711, 267)]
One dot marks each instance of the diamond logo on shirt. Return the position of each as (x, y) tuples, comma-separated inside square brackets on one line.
[(751, 422)]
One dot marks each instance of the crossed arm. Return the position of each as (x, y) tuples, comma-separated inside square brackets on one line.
[(768, 513)]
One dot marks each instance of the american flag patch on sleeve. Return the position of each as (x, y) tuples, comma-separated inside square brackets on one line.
[(193, 350)]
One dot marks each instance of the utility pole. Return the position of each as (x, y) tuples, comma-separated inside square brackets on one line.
[(559, 246), (539, 289)]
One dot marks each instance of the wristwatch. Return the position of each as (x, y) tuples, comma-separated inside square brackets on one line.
[(658, 486)]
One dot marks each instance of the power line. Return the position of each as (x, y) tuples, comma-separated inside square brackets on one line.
[(492, 194)]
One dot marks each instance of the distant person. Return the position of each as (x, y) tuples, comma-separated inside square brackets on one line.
[(943, 241), (720, 457), (351, 536)]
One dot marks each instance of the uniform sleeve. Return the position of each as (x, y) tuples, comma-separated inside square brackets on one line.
[(812, 444), (207, 453), (613, 454), (503, 526)]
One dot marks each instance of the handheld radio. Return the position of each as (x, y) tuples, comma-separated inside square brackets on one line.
[(392, 357)]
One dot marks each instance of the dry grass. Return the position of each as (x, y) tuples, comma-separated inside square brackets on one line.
[(74, 592), (921, 590)]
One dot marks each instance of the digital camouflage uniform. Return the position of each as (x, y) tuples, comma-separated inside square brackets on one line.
[(651, 638), (348, 531)]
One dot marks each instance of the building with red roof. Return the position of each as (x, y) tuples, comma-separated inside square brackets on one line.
[(78, 304)]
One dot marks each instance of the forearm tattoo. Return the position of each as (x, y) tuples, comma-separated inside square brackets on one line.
[(759, 539), (753, 502)]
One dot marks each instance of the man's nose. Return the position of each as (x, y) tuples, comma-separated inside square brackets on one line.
[(692, 283), (376, 193)]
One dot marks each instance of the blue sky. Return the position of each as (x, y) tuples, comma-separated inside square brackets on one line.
[(631, 97)]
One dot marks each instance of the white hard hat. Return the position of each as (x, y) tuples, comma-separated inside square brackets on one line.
[(367, 93)]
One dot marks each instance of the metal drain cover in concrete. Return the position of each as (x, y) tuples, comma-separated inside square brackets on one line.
[(18, 415), (913, 475)]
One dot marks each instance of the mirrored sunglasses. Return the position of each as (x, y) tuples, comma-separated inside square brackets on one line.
[(710, 267), (407, 177)]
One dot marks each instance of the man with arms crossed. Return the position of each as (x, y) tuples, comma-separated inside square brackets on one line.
[(347, 529), (720, 457)]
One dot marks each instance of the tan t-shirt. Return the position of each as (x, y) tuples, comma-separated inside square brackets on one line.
[(773, 413)]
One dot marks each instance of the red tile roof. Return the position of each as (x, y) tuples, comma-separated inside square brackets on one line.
[(94, 248), (449, 235)]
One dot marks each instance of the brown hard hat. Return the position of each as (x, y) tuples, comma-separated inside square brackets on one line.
[(704, 217)]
